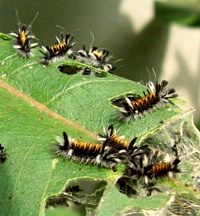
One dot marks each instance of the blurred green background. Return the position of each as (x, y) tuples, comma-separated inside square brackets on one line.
[(145, 34)]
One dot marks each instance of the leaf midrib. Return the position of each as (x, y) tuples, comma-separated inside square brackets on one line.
[(45, 109)]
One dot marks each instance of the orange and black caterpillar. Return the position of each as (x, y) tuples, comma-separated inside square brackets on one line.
[(62, 48), (97, 57), (2, 154), (112, 139), (89, 153), (151, 165), (162, 168), (127, 151), (24, 39), (156, 96)]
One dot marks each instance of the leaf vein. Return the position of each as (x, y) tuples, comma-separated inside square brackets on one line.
[(78, 85)]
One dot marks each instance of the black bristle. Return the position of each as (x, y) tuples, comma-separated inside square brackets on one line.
[(132, 143), (3, 155), (163, 84), (110, 130)]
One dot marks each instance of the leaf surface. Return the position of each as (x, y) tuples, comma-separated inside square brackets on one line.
[(37, 103)]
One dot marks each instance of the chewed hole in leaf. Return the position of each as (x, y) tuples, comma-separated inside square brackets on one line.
[(83, 193), (85, 71), (126, 186), (69, 69)]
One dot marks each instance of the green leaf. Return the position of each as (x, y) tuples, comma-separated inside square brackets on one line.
[(30, 171), (61, 212), (181, 12), (111, 206), (39, 102), (83, 99)]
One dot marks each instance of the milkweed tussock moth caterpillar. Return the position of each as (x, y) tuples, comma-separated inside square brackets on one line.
[(155, 169), (61, 49), (24, 39), (111, 136), (127, 149), (156, 95), (151, 165), (86, 152), (141, 162), (145, 169), (107, 154), (96, 57)]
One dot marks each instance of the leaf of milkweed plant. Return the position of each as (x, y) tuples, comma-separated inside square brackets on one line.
[(39, 102)]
